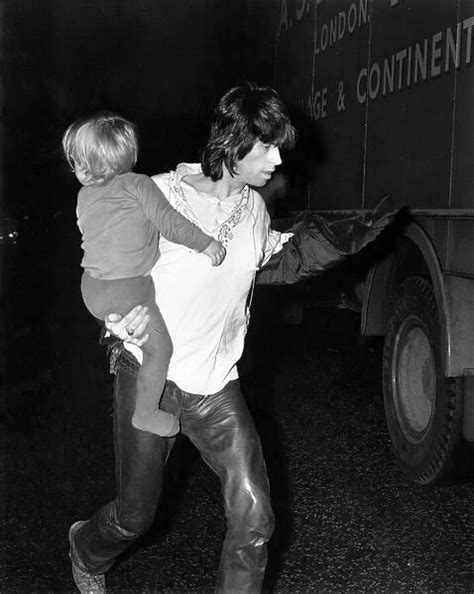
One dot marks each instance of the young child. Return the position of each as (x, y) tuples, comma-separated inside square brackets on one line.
[(121, 215)]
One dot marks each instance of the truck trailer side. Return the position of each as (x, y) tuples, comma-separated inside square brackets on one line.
[(384, 96)]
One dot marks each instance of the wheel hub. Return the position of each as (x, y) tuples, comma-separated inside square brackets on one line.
[(414, 376)]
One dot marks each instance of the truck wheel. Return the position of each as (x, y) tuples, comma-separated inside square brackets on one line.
[(423, 408)]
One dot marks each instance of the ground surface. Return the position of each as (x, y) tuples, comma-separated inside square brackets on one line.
[(346, 520)]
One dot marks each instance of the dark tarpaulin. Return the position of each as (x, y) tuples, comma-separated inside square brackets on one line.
[(319, 244)]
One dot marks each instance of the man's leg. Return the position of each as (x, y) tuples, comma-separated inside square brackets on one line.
[(221, 427), (140, 459)]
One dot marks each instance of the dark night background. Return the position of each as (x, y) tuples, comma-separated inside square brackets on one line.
[(346, 520), (163, 64)]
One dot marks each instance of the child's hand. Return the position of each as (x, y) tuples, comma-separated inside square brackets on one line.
[(216, 252)]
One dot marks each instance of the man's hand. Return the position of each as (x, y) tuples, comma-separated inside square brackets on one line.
[(129, 328), (216, 252)]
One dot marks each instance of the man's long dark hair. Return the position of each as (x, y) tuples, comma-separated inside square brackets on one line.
[(244, 115)]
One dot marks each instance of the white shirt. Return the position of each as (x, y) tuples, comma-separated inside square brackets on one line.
[(205, 306)]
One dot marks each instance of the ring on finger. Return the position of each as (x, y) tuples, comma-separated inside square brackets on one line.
[(130, 330)]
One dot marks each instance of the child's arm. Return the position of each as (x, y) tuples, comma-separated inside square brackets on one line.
[(173, 225)]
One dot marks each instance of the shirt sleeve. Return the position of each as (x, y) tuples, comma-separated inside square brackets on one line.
[(274, 244), (273, 241), (169, 222)]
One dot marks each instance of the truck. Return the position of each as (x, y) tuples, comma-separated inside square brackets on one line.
[(383, 92)]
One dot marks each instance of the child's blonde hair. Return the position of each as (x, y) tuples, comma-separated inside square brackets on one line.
[(102, 146)]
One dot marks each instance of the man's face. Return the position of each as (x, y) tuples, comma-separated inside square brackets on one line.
[(257, 167)]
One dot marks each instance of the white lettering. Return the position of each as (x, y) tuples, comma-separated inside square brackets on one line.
[(344, 21), (300, 10), (320, 102), (316, 104), (409, 67), (362, 96), (428, 58), (453, 49), (420, 60), (362, 11), (352, 18), (467, 26), (400, 56), (388, 75), (374, 75), (342, 25), (324, 37), (333, 31), (435, 54)]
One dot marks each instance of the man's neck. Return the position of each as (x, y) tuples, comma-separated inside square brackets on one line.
[(220, 189)]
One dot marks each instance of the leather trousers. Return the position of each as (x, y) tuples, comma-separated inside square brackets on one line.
[(222, 429)]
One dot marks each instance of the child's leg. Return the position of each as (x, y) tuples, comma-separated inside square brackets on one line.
[(152, 378), (119, 296)]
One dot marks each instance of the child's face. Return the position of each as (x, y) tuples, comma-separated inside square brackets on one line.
[(82, 176)]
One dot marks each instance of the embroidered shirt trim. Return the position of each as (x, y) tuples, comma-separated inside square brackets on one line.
[(179, 201)]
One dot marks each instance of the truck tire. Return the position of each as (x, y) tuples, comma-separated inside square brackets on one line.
[(423, 408)]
